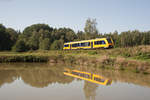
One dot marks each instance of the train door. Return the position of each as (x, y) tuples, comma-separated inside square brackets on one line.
[(91, 45), (70, 46)]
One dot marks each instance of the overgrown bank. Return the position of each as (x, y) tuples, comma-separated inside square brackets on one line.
[(135, 59)]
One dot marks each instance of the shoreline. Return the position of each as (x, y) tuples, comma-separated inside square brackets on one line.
[(134, 59)]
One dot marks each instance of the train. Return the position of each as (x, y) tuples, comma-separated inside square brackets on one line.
[(88, 77), (90, 44)]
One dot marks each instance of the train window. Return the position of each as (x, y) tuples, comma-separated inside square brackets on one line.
[(99, 42), (79, 44), (85, 44), (96, 42), (75, 73), (66, 45), (82, 44), (75, 45), (98, 79), (86, 76), (80, 74), (88, 43), (103, 42), (109, 40)]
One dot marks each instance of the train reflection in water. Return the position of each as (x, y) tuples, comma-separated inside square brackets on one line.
[(88, 77)]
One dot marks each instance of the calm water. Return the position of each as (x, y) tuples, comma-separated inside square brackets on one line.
[(44, 82)]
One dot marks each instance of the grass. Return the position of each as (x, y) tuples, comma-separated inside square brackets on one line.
[(131, 58)]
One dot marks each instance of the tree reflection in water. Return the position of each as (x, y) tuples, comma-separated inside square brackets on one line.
[(7, 76), (90, 90), (39, 76)]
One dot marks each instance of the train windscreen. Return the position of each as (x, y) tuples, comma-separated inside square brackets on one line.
[(109, 40)]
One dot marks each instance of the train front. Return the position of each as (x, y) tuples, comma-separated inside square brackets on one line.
[(110, 43)]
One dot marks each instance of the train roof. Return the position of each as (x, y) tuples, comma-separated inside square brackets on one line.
[(84, 40)]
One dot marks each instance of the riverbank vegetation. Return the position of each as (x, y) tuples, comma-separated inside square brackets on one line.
[(136, 59)]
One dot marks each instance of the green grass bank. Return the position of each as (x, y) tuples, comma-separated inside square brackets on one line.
[(136, 59)]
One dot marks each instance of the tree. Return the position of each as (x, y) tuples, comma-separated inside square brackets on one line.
[(19, 46), (34, 35), (91, 29), (45, 44), (5, 41), (116, 39), (136, 37), (65, 34), (42, 36), (33, 42), (13, 36), (90, 90), (57, 44), (80, 35), (70, 35), (2, 36)]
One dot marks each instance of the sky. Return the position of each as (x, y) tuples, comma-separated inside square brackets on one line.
[(111, 15)]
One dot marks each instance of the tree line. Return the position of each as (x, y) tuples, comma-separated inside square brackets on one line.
[(44, 37)]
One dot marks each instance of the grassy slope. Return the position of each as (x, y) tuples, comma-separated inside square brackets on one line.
[(132, 58), (140, 53)]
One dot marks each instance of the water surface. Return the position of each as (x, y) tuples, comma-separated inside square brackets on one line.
[(44, 82)]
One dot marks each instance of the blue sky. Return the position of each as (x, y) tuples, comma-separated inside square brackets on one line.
[(111, 15)]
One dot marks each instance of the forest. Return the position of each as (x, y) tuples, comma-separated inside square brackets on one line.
[(45, 37)]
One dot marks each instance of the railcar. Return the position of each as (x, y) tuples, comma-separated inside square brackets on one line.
[(88, 77), (90, 44)]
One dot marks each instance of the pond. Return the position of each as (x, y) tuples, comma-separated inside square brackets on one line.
[(40, 81)]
